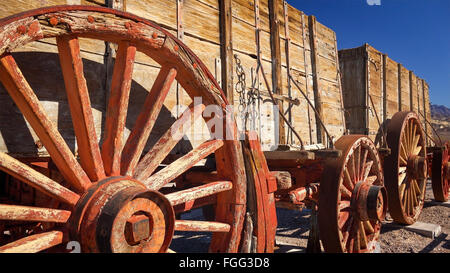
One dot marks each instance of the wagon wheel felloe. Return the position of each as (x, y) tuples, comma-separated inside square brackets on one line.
[(114, 200), (440, 173), (405, 169), (352, 199)]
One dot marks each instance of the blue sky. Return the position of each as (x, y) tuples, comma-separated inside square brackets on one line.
[(415, 33)]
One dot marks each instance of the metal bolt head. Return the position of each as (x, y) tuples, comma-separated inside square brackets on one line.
[(22, 29), (53, 21), (137, 228)]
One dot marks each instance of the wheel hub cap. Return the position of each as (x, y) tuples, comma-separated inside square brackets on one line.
[(121, 215), (417, 167), (369, 201)]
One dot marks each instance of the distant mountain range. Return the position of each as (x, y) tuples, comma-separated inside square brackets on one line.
[(440, 116), (440, 112)]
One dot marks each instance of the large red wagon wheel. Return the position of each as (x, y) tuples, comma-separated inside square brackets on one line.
[(405, 169), (352, 198), (440, 173), (113, 202)]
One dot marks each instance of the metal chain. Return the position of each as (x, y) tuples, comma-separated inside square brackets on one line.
[(240, 84), (248, 97)]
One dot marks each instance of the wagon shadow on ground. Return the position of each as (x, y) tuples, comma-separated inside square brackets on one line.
[(292, 233)]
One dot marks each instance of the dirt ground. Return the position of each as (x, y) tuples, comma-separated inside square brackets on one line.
[(293, 231)]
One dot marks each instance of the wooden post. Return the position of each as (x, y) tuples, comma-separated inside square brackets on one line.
[(384, 89), (277, 86), (316, 77), (226, 48), (367, 90), (288, 67), (411, 97), (307, 74)]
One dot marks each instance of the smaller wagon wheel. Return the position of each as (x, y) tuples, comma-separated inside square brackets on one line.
[(405, 169), (440, 170), (352, 198)]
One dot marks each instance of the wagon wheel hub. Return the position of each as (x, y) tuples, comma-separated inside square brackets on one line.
[(417, 167), (121, 215), (370, 201)]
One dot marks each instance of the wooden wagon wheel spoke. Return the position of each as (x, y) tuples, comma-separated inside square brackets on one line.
[(405, 168), (365, 168), (201, 226), (181, 165), (25, 99), (117, 108), (34, 243), (36, 180), (191, 194), (167, 142), (359, 200), (80, 107), (24, 213), (146, 120)]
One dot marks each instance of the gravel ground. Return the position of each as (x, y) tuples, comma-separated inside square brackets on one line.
[(293, 231)]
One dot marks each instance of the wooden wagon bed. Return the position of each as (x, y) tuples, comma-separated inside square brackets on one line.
[(375, 87), (288, 43)]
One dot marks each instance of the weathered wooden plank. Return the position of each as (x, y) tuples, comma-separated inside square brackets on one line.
[(316, 76), (226, 47), (277, 87)]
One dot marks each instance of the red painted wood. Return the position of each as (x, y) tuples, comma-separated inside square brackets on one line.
[(167, 142), (25, 99), (182, 164), (117, 108), (146, 120), (80, 107)]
